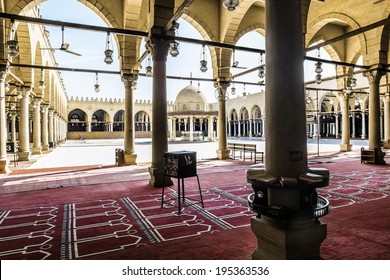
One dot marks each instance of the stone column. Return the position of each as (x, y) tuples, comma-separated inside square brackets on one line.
[(58, 128), (88, 128), (13, 127), (174, 129), (128, 80), (169, 120), (24, 132), (381, 126), (298, 236), (353, 125), (285, 82), (229, 128), (45, 128), (51, 127), (337, 133), (317, 128), (4, 161), (55, 127), (179, 124), (374, 133), (191, 128), (210, 128), (159, 50), (364, 124), (185, 125), (345, 145), (222, 152), (37, 145), (386, 101), (332, 129), (263, 128)]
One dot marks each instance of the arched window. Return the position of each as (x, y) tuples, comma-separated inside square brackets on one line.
[(197, 107), (184, 107), (75, 118)]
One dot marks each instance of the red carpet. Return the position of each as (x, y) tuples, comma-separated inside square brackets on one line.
[(123, 219), (92, 229)]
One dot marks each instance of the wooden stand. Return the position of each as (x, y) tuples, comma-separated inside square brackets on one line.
[(180, 165)]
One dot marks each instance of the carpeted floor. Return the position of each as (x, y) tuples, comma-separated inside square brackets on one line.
[(111, 213)]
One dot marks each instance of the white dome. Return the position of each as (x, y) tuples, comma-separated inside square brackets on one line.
[(189, 99)]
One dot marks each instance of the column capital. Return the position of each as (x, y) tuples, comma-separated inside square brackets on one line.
[(4, 70), (221, 86), (130, 79), (343, 95), (222, 82), (51, 111), (129, 76), (374, 75), (37, 103), (44, 108), (158, 48), (26, 93)]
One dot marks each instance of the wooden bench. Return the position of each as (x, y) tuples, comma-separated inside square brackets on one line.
[(244, 150)]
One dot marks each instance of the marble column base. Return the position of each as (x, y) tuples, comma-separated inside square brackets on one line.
[(24, 156), (284, 241), (345, 147), (223, 154), (130, 159), (381, 157), (4, 166), (45, 148), (36, 151), (157, 178)]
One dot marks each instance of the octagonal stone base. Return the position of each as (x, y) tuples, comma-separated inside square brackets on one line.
[(130, 159), (386, 144), (24, 156), (287, 241), (36, 150), (345, 147), (45, 148), (223, 154), (4, 166), (157, 178)]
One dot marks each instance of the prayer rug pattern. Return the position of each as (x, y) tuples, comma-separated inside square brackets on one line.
[(354, 187), (91, 229)]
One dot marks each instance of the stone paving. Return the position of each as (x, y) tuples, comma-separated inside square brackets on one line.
[(102, 152)]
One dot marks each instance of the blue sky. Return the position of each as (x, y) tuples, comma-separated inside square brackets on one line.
[(92, 45)]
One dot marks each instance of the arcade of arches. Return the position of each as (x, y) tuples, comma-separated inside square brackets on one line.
[(36, 113)]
